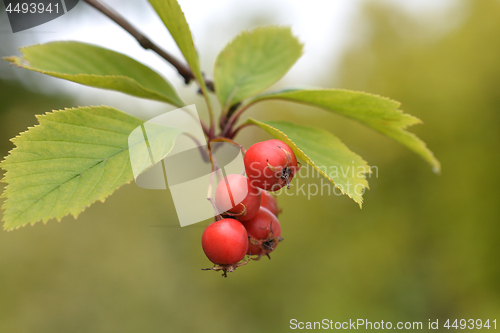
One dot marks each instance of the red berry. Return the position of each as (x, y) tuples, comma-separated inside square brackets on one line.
[(225, 242), (235, 196), (269, 202), (270, 164), (264, 233)]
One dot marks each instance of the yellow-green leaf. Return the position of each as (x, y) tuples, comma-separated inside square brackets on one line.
[(379, 113), (325, 153), (253, 61), (73, 158), (97, 67), (172, 16)]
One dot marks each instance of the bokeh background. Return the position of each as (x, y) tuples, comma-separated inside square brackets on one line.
[(424, 246)]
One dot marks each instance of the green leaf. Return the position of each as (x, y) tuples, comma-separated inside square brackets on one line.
[(325, 153), (98, 67), (379, 113), (253, 61), (172, 16), (73, 158)]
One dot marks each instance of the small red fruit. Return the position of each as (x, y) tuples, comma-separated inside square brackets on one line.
[(264, 233), (269, 202), (235, 196), (225, 242), (270, 164)]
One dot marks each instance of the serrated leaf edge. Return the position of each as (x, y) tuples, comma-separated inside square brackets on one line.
[(268, 95), (229, 100), (58, 219), (20, 62), (434, 162), (310, 162)]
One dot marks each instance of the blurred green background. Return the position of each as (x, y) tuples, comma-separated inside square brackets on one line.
[(424, 246)]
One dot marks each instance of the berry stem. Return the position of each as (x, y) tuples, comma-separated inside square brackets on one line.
[(233, 119), (226, 268), (203, 153), (211, 131), (210, 184), (233, 134), (225, 139)]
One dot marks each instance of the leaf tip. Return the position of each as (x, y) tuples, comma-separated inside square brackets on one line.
[(11, 58), (17, 61), (437, 169)]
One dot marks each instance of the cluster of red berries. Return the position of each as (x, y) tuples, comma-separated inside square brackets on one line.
[(248, 224)]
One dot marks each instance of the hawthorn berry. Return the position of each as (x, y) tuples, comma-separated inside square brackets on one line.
[(270, 164), (264, 233), (225, 243), (269, 202), (237, 198)]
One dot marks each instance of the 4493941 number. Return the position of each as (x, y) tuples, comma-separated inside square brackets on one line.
[(470, 324), (32, 8)]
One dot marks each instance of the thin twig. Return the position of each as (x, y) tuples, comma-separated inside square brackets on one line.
[(203, 153), (196, 118), (210, 198), (146, 43), (224, 139), (233, 134), (233, 119), (211, 131)]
